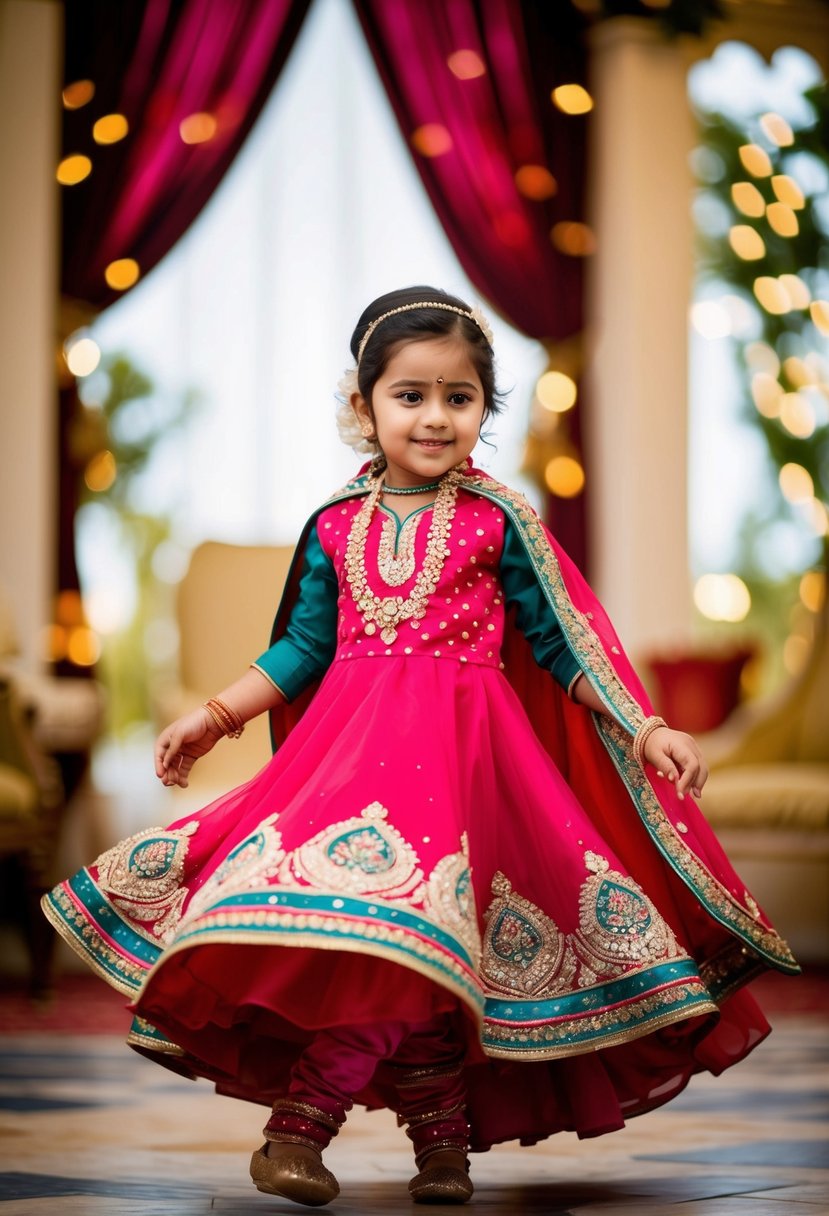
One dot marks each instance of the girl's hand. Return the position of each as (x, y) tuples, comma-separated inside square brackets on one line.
[(676, 756), (179, 746)]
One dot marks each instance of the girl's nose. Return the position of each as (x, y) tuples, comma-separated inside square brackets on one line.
[(435, 414)]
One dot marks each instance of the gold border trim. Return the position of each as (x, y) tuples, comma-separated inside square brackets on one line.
[(60, 925)]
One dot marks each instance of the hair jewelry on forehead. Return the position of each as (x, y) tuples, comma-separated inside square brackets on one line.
[(474, 314)]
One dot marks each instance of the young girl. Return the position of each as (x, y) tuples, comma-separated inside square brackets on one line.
[(472, 884)]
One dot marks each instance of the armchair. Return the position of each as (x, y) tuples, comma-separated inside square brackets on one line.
[(225, 608)]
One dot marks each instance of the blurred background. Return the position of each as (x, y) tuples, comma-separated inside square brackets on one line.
[(200, 197)]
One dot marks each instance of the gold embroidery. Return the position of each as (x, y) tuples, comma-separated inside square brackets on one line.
[(78, 933), (620, 931), (619, 927), (449, 899), (387, 613), (364, 855), (524, 952), (396, 551), (250, 864), (610, 1027), (142, 877), (719, 901)]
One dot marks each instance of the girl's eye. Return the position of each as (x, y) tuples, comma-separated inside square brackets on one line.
[(410, 397), (459, 399)]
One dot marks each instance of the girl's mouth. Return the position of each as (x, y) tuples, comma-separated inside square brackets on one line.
[(432, 444)]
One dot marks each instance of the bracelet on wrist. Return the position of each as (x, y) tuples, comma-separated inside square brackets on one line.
[(643, 734), (228, 721)]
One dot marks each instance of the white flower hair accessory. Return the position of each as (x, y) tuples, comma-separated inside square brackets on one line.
[(482, 321), (348, 425)]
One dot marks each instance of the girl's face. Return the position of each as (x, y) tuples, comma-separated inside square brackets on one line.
[(426, 409)]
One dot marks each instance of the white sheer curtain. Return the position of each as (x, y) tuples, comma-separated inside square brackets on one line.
[(254, 308)]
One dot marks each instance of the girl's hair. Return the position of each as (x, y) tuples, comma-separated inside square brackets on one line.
[(417, 325)]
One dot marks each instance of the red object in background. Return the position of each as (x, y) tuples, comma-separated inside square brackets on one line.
[(697, 691)]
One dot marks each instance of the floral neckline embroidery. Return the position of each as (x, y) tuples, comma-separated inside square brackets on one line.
[(387, 613)]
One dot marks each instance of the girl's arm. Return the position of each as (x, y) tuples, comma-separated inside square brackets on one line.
[(673, 754), (182, 742)]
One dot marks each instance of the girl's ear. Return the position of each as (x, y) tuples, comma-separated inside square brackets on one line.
[(363, 411)]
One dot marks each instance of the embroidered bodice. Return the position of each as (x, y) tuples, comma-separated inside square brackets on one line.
[(480, 571), (464, 617)]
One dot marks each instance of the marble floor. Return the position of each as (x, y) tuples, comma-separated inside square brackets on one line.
[(88, 1127)]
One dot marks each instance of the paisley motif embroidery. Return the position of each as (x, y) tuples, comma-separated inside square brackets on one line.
[(620, 930), (250, 864), (524, 952), (142, 876), (619, 927), (450, 898), (364, 855)]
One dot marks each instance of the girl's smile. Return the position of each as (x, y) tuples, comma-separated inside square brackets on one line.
[(426, 409)]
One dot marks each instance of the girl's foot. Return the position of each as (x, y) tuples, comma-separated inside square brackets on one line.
[(293, 1171), (443, 1178)]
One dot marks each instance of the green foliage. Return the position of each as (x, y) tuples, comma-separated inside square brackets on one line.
[(131, 421), (791, 336)]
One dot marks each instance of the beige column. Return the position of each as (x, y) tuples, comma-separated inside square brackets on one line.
[(30, 51), (639, 289)]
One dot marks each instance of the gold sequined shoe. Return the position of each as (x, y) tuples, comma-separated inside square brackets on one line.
[(442, 1184), (294, 1176)]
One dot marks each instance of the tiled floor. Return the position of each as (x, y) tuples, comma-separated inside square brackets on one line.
[(88, 1127)]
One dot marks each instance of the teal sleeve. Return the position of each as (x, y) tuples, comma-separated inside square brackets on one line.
[(306, 649), (534, 616)]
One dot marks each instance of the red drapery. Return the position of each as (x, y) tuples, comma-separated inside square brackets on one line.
[(479, 135), (159, 63)]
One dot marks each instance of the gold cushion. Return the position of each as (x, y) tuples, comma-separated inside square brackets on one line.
[(791, 796), (18, 795)]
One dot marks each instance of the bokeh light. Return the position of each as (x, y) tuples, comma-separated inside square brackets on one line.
[(466, 64), (746, 242), (722, 597), (755, 160), (536, 182), (73, 169), (564, 476), (572, 99), (83, 355), (100, 472), (77, 94), (574, 238), (747, 198), (122, 273), (777, 130), (431, 139), (556, 392), (197, 128), (110, 129), (796, 483), (782, 219), (787, 191)]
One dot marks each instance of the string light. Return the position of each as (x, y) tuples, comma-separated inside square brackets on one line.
[(556, 392), (78, 93), (110, 129), (747, 198), (572, 99), (787, 191), (722, 597), (431, 139), (782, 219), (755, 160), (777, 130), (466, 65), (574, 238), (122, 273), (73, 169), (536, 182), (197, 128), (564, 476), (746, 242)]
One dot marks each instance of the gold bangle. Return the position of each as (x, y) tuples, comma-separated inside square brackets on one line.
[(228, 721), (643, 734)]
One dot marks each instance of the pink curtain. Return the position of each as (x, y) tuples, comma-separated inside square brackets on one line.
[(483, 130), (159, 63)]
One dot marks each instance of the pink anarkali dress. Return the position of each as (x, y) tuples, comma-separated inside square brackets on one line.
[(441, 830)]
